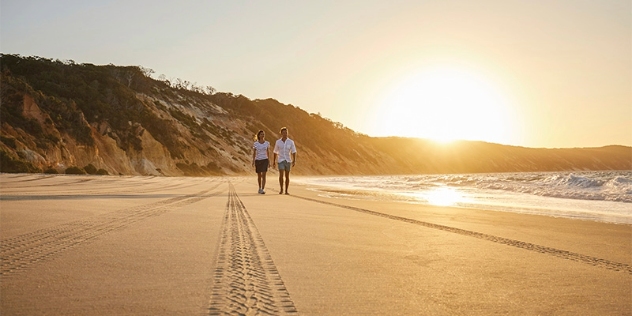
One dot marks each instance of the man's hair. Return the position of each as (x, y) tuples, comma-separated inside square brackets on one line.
[(283, 129)]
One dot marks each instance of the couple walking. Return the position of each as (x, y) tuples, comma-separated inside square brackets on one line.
[(284, 149)]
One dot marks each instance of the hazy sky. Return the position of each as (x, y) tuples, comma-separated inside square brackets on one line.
[(535, 73)]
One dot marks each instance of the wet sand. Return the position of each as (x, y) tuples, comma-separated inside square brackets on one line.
[(79, 245)]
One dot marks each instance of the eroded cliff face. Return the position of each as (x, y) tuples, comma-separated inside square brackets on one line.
[(57, 115), (225, 149), (107, 152)]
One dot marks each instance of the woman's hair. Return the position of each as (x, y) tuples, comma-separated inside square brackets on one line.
[(257, 135)]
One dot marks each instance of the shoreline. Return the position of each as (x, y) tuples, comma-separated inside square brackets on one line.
[(525, 193)]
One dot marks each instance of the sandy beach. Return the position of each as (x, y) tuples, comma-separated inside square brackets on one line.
[(108, 245)]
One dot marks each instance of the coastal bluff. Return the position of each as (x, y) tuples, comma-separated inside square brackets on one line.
[(60, 115)]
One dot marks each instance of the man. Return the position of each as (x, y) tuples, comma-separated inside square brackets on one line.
[(286, 151)]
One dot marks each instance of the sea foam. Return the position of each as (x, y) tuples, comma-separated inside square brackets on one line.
[(600, 195)]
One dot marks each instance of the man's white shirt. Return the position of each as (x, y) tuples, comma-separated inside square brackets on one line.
[(284, 149)]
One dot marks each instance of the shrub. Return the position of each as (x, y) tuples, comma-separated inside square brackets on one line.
[(9, 141), (10, 165), (102, 172), (51, 171), (90, 169), (213, 166), (75, 170)]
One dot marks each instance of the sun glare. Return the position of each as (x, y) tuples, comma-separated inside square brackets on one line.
[(444, 197), (444, 104)]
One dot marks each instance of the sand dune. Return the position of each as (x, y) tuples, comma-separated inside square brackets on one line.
[(89, 245)]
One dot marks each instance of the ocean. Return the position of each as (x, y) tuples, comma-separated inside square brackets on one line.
[(604, 196)]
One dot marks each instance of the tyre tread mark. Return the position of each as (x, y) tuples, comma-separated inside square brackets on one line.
[(564, 254), (19, 252), (246, 281)]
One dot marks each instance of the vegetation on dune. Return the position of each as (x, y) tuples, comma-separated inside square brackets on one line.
[(10, 164), (55, 113), (75, 170)]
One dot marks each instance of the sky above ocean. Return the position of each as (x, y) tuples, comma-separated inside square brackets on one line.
[(526, 73)]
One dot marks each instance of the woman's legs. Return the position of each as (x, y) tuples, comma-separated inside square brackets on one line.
[(261, 178), (263, 181)]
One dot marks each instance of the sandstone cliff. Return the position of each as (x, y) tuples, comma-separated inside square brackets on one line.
[(57, 115)]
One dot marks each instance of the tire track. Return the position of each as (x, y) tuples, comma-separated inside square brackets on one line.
[(14, 192), (19, 252), (246, 281), (594, 261)]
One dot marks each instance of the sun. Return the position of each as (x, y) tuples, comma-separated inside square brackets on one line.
[(444, 104)]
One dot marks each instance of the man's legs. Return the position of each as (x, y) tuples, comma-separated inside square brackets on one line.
[(281, 180), (287, 180), (284, 168)]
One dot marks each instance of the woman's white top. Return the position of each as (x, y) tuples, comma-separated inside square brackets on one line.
[(262, 150)]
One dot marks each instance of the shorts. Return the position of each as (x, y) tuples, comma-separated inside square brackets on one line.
[(261, 165), (284, 165)]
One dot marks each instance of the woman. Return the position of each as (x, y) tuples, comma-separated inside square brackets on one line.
[(260, 159)]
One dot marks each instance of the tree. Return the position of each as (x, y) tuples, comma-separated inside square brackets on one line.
[(146, 71)]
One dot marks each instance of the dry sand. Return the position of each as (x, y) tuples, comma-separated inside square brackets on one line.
[(88, 245)]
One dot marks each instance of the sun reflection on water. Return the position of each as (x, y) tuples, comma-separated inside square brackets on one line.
[(443, 196)]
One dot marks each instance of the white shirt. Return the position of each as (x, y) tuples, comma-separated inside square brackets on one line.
[(262, 150), (284, 149)]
